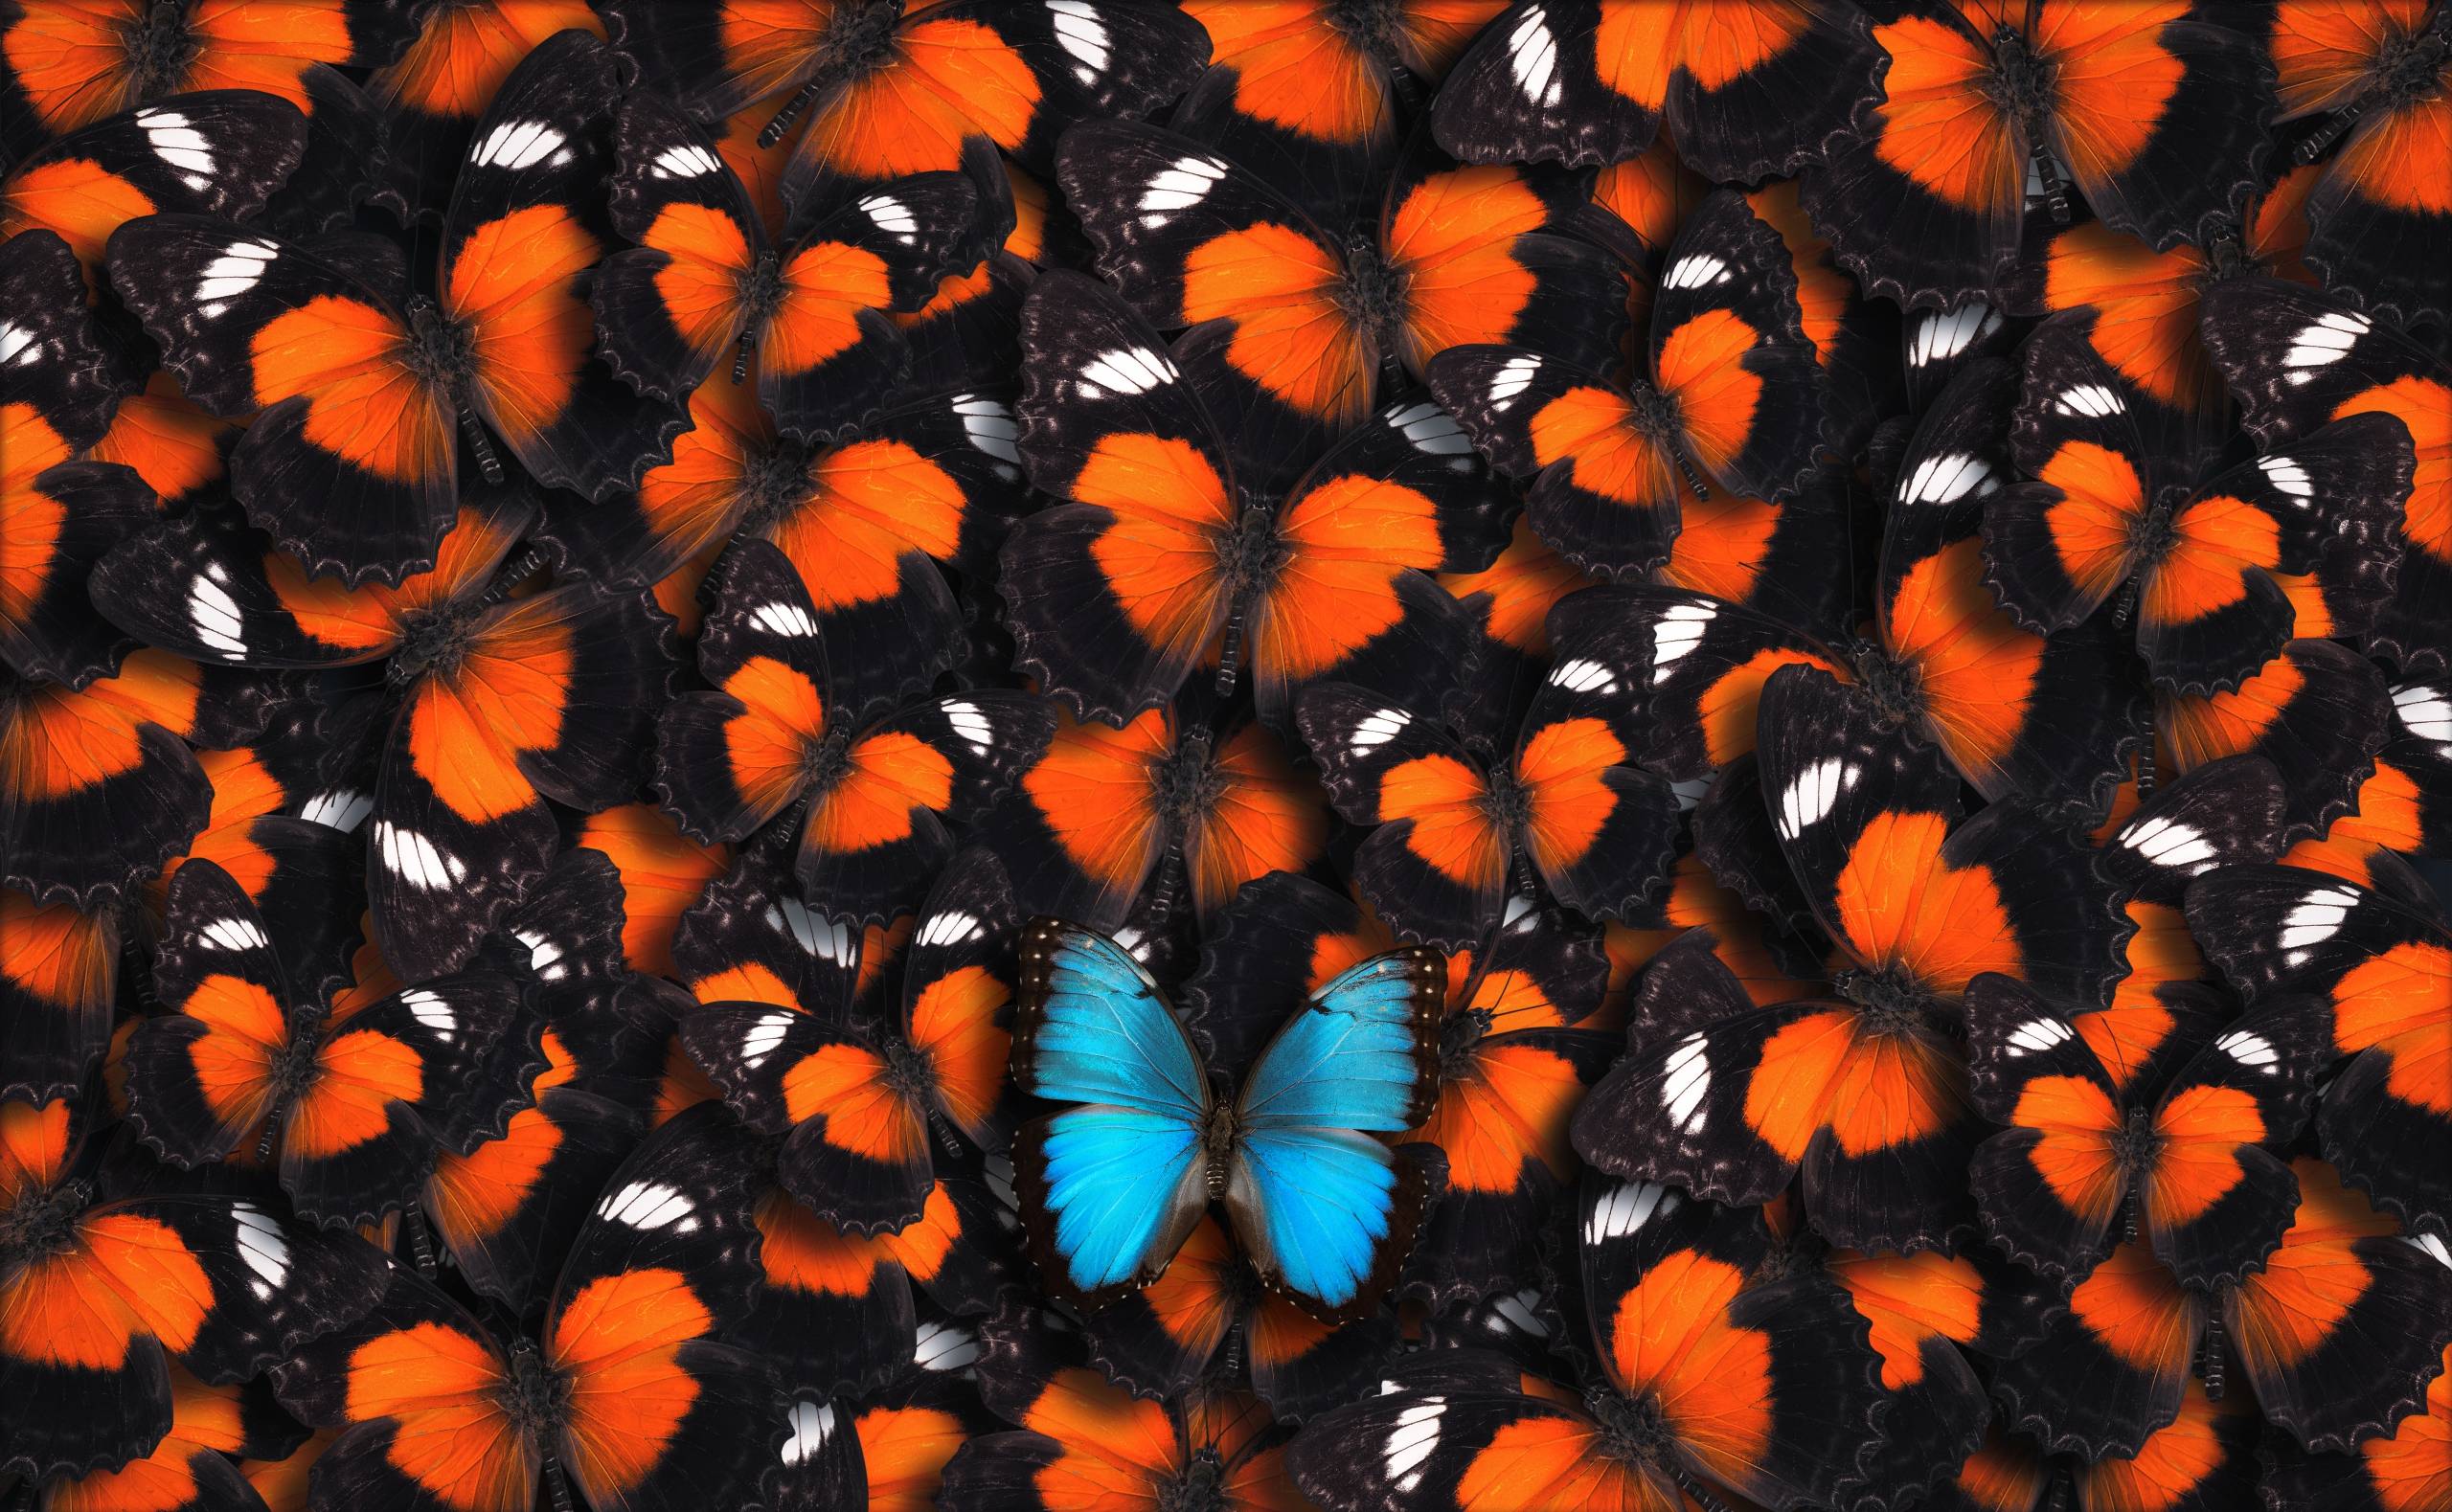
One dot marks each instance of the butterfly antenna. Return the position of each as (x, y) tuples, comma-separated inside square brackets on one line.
[(772, 131), (2211, 1368), (420, 1236), (480, 444)]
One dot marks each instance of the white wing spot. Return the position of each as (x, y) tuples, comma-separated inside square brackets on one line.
[(264, 1246), (2035, 1036), (2252, 1051), (1688, 1082), (1679, 631), (433, 1010), (1946, 479), (991, 428), (2288, 476), (828, 940), (1127, 370), (785, 620), (951, 928), (1532, 56), (651, 1204), (239, 268), (1580, 675), (1513, 377), (1946, 333), (2424, 710), (1694, 271), (1378, 728), (516, 145), (812, 1425), (1083, 36), (342, 809), (235, 934), (1811, 797), (689, 160), (18, 346), (974, 728), (763, 1036), (214, 617), (1627, 1207), (416, 860), (1412, 1441), (944, 1347), (2315, 920), (2092, 400), (892, 217), (2167, 842), (2328, 340), (1431, 429), (1177, 187), (180, 145)]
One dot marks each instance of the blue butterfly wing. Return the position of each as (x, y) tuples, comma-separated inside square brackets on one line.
[(1324, 1210), (1120, 1188), (1109, 1190), (1326, 1213), (1362, 1054), (1093, 1028)]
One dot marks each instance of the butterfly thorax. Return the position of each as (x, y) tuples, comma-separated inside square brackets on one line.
[(2022, 81), (2151, 535), (774, 484), (433, 640), (1252, 553), (1897, 688), (1186, 782), (827, 762), (907, 1070), (440, 351), (2137, 1144), (42, 1225), (1217, 1131), (536, 1397), (1506, 799), (2226, 255), (1634, 1429), (2409, 66), (160, 49), (1891, 999), (1460, 1042), (761, 290), (291, 1067), (859, 42), (1373, 292), (1653, 415), (1200, 1486)]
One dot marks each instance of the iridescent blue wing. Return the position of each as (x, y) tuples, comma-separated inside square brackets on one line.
[(1109, 1190), (1327, 1212)]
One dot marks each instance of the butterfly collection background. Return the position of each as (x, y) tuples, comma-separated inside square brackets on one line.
[(1362, 754)]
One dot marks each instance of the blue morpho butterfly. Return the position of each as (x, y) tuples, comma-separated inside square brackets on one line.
[(1110, 1188)]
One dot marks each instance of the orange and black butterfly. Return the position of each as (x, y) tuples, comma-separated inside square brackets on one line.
[(180, 451), (627, 1391), (2381, 965), (433, 93), (1865, 836), (2299, 360), (367, 390), (838, 1312), (1708, 1379), (891, 89), (705, 290), (500, 702), (1466, 810), (2318, 711), (1727, 396), (860, 1106), (2155, 113), (2405, 803), (884, 1448), (865, 779), (1313, 94), (2203, 1460), (935, 478), (2138, 307), (2082, 1167), (1294, 321), (1929, 1313), (1107, 813), (663, 872), (60, 387), (1745, 91), (1078, 1439), (2401, 1470), (221, 152), (1513, 1060), (2051, 718), (187, 1471), (99, 785), (117, 1302), (73, 62), (59, 989), (1731, 1101), (2217, 571), (348, 1095), (2380, 74), (2338, 1337), (1167, 558)]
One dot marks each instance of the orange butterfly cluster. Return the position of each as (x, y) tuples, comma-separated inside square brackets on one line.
[(1875, 580)]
